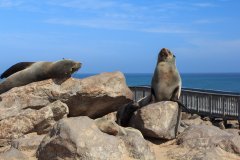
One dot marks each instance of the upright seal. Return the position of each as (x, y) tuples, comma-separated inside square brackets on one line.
[(166, 81)]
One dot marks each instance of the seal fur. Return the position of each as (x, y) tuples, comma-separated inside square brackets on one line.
[(24, 73), (166, 82)]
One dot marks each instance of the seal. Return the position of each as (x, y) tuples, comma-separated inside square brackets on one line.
[(166, 82), (24, 73)]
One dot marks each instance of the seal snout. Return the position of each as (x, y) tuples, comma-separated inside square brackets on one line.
[(164, 52), (76, 67)]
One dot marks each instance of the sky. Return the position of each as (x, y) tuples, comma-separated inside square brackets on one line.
[(126, 35)]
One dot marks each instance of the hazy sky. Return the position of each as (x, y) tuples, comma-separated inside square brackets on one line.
[(126, 35)]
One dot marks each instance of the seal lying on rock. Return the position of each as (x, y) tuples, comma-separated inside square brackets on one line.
[(24, 73)]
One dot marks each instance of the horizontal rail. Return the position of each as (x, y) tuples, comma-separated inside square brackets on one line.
[(214, 104)]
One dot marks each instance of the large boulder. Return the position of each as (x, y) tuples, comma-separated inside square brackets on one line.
[(94, 96), (28, 142), (13, 154), (31, 120), (157, 120), (207, 137), (181, 153), (80, 138), (185, 123)]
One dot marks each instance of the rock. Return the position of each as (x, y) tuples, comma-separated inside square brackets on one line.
[(31, 120), (136, 146), (203, 154), (235, 132), (207, 137), (109, 127), (5, 148), (156, 120), (94, 96), (206, 119), (80, 138), (233, 124), (196, 121), (28, 142), (13, 154), (111, 116), (186, 115), (189, 122), (4, 142)]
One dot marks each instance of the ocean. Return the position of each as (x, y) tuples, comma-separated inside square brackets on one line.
[(214, 81)]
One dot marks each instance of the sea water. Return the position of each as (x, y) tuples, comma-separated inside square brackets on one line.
[(212, 81)]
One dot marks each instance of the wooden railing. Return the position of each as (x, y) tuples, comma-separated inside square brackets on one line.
[(214, 104)]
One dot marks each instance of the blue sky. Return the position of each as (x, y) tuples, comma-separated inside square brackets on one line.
[(126, 35)]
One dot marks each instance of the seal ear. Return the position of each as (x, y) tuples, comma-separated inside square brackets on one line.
[(15, 68)]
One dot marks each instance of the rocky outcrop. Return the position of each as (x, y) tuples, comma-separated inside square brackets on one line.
[(194, 120), (207, 137), (37, 118), (13, 154), (110, 127), (80, 138), (28, 142), (31, 120), (235, 132), (157, 120), (94, 96), (111, 116), (198, 142), (177, 153)]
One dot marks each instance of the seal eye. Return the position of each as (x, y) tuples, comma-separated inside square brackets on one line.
[(174, 56)]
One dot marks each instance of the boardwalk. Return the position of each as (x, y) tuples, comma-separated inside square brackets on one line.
[(214, 104)]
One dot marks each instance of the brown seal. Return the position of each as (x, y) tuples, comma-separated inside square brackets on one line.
[(166, 81), (24, 73)]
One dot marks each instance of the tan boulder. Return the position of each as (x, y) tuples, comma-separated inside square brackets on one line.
[(13, 154), (157, 120), (31, 120), (94, 96), (208, 137), (28, 142), (80, 138)]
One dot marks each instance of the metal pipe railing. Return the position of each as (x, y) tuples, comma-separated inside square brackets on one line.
[(214, 104)]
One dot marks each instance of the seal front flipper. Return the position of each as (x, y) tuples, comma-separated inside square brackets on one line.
[(15, 68), (175, 98)]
